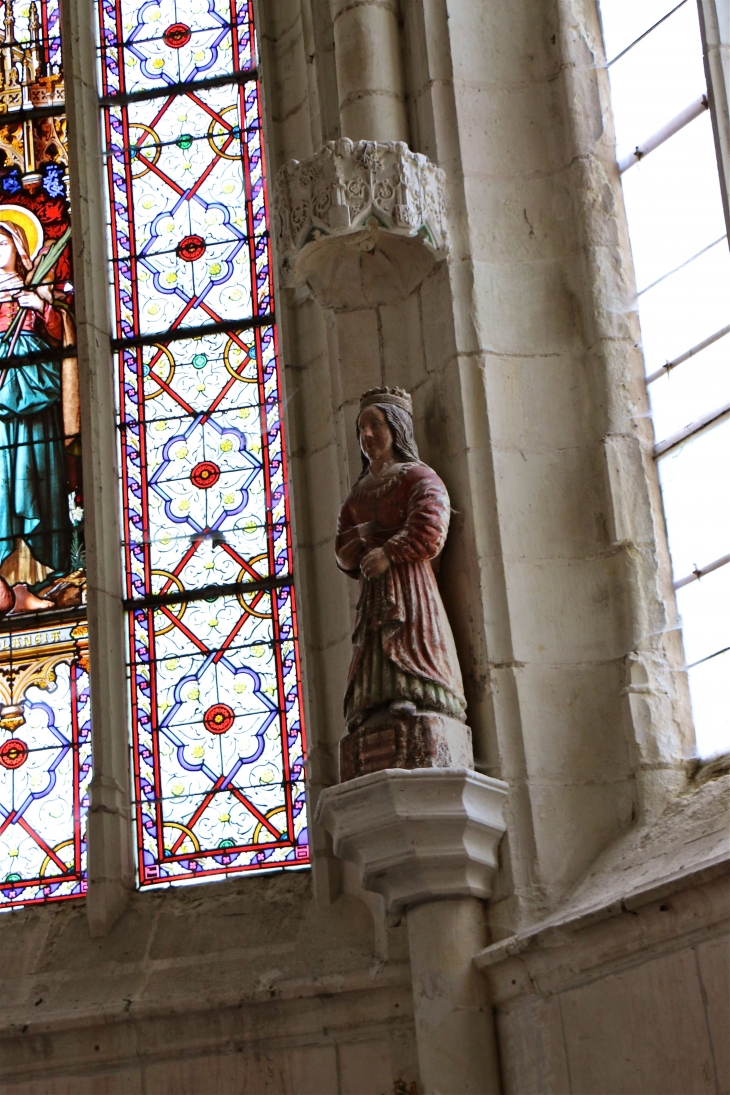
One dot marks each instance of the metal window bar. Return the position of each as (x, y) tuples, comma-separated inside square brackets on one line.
[(646, 32), (682, 265), (693, 428), (700, 572), (707, 658), (669, 365), (169, 91), (206, 593), (177, 333), (674, 126)]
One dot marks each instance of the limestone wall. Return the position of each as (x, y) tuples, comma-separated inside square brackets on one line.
[(520, 349), (521, 354), (236, 986), (636, 1004)]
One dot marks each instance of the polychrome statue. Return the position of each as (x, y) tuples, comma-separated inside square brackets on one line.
[(404, 696)]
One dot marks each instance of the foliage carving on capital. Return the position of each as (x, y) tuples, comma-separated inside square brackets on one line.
[(349, 187)]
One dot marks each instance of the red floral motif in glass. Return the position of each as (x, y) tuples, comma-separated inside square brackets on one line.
[(218, 718), (13, 753), (205, 474)]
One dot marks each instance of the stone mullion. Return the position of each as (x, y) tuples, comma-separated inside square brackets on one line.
[(110, 857), (539, 258), (715, 28), (655, 698), (315, 447)]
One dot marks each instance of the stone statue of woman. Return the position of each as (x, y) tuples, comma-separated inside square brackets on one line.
[(404, 668)]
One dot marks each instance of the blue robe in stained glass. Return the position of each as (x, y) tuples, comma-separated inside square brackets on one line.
[(33, 495)]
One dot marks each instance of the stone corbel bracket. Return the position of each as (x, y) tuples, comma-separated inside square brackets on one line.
[(420, 835), (360, 223)]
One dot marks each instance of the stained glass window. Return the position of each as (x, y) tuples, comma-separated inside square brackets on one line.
[(216, 732), (45, 745)]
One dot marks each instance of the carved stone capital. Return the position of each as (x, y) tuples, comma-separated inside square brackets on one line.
[(418, 835), (360, 222)]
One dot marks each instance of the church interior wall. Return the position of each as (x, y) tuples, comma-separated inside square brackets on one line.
[(520, 351)]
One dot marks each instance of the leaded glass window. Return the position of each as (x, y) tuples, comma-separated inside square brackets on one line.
[(667, 156), (45, 745), (216, 732)]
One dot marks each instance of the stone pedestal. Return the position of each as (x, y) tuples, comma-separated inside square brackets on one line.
[(427, 840), (406, 740)]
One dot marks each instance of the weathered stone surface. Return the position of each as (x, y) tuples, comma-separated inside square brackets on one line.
[(360, 222), (423, 740), (418, 835), (214, 988)]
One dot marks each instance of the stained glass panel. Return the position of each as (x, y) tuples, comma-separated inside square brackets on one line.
[(217, 735), (45, 745)]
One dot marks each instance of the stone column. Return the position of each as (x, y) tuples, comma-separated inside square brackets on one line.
[(455, 1033), (715, 27), (427, 841), (111, 864), (369, 70), (362, 225)]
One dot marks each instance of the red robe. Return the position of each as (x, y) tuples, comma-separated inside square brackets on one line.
[(404, 647), (47, 323)]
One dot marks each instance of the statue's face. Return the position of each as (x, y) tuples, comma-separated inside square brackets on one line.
[(376, 440)]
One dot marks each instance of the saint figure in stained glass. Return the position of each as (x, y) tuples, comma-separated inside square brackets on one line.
[(35, 526)]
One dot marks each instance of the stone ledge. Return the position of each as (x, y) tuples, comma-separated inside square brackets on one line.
[(321, 1013), (658, 885), (691, 834), (418, 835), (558, 956)]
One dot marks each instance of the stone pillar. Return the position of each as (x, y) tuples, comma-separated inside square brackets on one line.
[(111, 863), (715, 27), (427, 841), (455, 1034), (362, 225), (369, 70)]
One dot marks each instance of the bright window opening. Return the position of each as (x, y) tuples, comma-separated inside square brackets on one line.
[(666, 151)]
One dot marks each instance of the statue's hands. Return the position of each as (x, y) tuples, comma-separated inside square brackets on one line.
[(375, 563)]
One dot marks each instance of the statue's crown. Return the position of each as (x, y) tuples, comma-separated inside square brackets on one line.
[(397, 396)]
